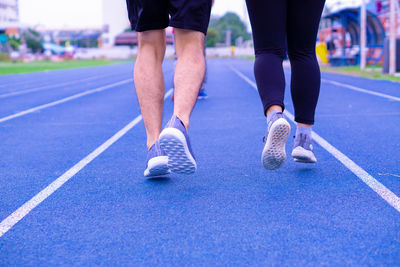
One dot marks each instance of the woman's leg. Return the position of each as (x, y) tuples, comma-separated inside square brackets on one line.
[(303, 19), (302, 28), (268, 21)]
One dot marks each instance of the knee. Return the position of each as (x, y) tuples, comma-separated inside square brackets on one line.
[(271, 52), (301, 54), (189, 45), (193, 54), (152, 43)]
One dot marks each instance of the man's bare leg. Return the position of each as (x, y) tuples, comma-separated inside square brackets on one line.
[(189, 72), (149, 81)]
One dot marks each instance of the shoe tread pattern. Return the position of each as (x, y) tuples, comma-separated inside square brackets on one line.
[(159, 170), (274, 154), (178, 159)]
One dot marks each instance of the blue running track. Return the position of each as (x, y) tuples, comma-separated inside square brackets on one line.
[(101, 211)]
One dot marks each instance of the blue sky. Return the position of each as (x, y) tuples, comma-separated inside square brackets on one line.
[(87, 13)]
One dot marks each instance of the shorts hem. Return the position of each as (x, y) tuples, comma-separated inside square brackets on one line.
[(192, 27), (149, 27)]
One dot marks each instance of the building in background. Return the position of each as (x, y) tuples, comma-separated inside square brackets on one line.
[(115, 21), (85, 38), (129, 38), (340, 30), (9, 22), (336, 5), (9, 14)]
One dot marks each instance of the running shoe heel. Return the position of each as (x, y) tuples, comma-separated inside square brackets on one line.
[(175, 142), (157, 162), (274, 153)]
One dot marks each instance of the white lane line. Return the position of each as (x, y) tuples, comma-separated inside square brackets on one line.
[(22, 211), (21, 92), (45, 82), (358, 89), (368, 179), (96, 90), (27, 81), (50, 86), (389, 174), (53, 76)]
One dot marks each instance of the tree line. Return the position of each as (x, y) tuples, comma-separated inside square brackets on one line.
[(219, 26)]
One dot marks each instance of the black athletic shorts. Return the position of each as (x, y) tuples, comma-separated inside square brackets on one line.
[(146, 15)]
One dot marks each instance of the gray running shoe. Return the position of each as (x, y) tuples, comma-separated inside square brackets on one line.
[(175, 142), (274, 154), (157, 162), (303, 149)]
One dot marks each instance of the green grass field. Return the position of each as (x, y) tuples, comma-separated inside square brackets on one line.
[(21, 67), (371, 72)]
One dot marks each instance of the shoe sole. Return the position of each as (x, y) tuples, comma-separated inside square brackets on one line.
[(274, 154), (174, 144), (157, 167), (303, 155)]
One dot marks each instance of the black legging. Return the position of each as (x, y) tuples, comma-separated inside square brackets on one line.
[(276, 23)]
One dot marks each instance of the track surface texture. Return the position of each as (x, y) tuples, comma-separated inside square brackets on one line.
[(232, 211)]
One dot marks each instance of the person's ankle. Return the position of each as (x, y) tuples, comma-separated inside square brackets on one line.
[(184, 120), (150, 143), (271, 115), (304, 125), (273, 109), (303, 130)]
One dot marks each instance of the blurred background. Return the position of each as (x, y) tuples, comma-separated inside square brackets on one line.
[(355, 35)]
